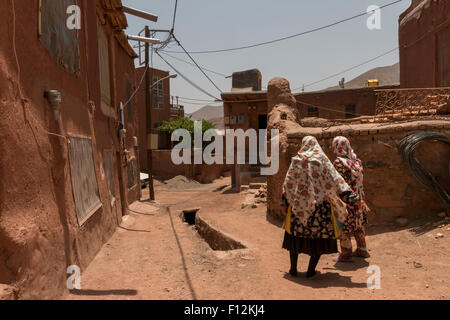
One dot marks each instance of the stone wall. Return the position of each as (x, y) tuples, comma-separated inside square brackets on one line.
[(390, 188)]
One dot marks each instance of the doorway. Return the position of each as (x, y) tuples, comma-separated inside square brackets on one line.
[(262, 121)]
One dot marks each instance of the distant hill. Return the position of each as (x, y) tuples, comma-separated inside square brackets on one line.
[(387, 76), (213, 114)]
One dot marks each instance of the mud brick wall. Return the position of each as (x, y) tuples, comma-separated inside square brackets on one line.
[(390, 188), (164, 168)]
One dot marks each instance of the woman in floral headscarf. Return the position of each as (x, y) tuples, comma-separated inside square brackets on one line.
[(350, 167), (311, 185)]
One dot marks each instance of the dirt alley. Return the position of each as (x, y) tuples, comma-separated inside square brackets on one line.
[(155, 255)]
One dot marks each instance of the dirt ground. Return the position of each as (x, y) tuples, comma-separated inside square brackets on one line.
[(155, 255)]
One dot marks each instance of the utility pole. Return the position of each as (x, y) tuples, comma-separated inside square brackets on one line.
[(148, 107)]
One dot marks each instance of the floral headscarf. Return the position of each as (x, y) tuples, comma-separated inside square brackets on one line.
[(312, 179), (344, 152)]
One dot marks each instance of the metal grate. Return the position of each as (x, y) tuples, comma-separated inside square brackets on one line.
[(132, 173), (84, 178), (61, 42), (108, 160)]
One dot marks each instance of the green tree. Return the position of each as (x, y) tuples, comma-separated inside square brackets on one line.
[(187, 124)]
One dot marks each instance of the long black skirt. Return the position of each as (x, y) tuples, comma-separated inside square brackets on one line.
[(312, 247)]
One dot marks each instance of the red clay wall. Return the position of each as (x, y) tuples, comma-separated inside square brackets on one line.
[(243, 108), (158, 115), (331, 104), (165, 169), (39, 233), (390, 188), (424, 39)]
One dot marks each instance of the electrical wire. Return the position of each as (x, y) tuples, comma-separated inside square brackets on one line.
[(174, 16), (407, 146), (346, 70), (139, 85), (192, 59), (14, 44), (379, 56), (288, 37), (192, 83), (181, 60)]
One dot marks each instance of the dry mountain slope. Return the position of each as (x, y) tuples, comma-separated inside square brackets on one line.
[(387, 76), (213, 114)]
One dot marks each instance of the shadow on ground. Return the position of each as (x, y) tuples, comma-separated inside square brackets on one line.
[(118, 292), (354, 265), (325, 280)]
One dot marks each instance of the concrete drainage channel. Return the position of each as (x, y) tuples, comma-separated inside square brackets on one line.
[(217, 240)]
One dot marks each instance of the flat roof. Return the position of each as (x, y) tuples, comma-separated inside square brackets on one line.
[(240, 96)]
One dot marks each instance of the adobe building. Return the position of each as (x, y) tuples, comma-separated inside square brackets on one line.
[(424, 36), (424, 41), (161, 111), (246, 108), (390, 187), (69, 165), (338, 104), (176, 111)]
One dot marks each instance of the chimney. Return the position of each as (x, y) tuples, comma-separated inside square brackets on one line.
[(248, 80)]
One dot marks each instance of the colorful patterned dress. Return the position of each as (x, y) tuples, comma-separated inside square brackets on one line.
[(317, 236), (356, 219), (350, 167), (311, 185)]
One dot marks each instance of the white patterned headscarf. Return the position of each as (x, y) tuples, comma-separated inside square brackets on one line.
[(312, 179), (344, 152)]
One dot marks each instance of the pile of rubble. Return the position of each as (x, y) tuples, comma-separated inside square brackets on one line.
[(256, 195)]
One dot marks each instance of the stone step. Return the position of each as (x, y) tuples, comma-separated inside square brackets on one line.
[(256, 185), (260, 179), (244, 187)]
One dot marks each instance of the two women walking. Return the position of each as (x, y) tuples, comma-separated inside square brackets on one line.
[(314, 192)]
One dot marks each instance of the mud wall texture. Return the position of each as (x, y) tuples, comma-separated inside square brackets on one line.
[(39, 232), (284, 117), (390, 188), (424, 38), (335, 101), (164, 168), (158, 115)]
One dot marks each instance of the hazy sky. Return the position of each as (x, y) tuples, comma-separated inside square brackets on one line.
[(219, 24)]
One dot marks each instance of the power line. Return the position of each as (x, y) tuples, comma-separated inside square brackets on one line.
[(174, 16), (346, 70), (181, 60), (381, 55), (186, 78), (199, 104), (209, 70), (288, 37), (192, 59), (137, 89), (192, 99)]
